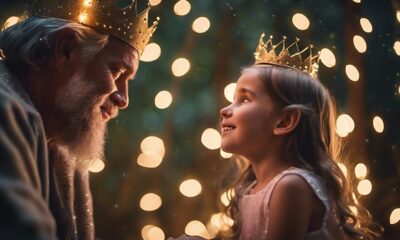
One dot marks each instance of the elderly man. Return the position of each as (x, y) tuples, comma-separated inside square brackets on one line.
[(63, 76)]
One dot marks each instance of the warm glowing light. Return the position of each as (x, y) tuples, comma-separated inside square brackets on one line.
[(379, 126), (154, 2), (182, 7), (344, 125), (151, 232), (357, 1), (398, 15), (163, 99), (10, 21), (149, 160), (300, 21), (190, 188), (82, 17), (328, 58), (196, 228), (151, 52), (97, 166), (361, 171), (359, 44), (343, 168), (226, 195), (396, 47), (395, 216), (229, 91), (366, 25), (354, 210), (150, 202), (87, 3), (352, 73), (201, 25), (225, 154), (153, 145), (221, 221), (211, 139), (180, 67), (364, 187)]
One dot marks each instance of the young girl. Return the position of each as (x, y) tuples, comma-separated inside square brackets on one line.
[(282, 122)]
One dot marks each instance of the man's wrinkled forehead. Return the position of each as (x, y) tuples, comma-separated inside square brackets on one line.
[(124, 52)]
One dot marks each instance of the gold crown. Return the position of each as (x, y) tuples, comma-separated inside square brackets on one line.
[(104, 16), (266, 54)]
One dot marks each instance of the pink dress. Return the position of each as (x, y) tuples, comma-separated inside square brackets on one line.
[(253, 208)]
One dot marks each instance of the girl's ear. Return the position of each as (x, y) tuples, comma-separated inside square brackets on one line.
[(288, 122)]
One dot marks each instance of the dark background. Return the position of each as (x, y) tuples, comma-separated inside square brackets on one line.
[(216, 58)]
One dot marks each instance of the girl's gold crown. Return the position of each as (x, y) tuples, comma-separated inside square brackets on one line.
[(266, 54), (102, 15)]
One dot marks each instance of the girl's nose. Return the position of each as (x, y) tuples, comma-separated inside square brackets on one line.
[(226, 112)]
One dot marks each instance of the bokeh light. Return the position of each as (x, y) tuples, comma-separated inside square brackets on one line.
[(153, 144), (352, 73), (364, 187), (196, 228), (396, 47), (225, 154), (151, 52), (163, 99), (398, 15), (180, 67), (149, 160), (359, 44), (378, 124), (190, 188), (395, 216), (221, 221), (151, 232), (97, 166), (361, 171), (229, 91), (10, 21), (182, 7), (150, 202), (343, 168), (300, 21), (354, 210), (154, 2), (366, 25), (201, 25), (225, 196), (328, 58), (357, 1), (344, 125), (211, 139)]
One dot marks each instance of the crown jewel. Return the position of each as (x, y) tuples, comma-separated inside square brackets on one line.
[(266, 54), (102, 15)]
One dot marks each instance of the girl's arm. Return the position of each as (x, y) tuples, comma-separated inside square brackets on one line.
[(290, 209)]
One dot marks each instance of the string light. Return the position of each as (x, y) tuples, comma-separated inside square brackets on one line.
[(151, 52), (357, 1), (97, 166), (163, 99), (225, 198), (300, 21), (149, 160), (343, 168), (154, 2), (352, 73), (398, 15), (328, 58), (211, 139), (190, 188), (225, 154), (361, 171), (366, 25), (396, 47), (344, 125), (359, 44), (180, 67), (196, 228), (394, 216), (364, 187), (229, 91), (201, 25), (151, 232), (378, 124), (150, 202), (153, 144), (182, 7)]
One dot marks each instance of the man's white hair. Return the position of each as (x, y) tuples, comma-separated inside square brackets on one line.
[(29, 43)]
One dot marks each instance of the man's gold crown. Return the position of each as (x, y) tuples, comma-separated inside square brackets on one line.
[(102, 15), (266, 54)]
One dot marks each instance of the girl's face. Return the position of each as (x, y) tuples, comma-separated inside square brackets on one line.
[(247, 124)]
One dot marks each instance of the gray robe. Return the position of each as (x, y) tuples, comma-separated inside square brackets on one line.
[(41, 196)]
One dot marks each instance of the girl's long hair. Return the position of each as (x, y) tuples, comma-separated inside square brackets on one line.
[(314, 144)]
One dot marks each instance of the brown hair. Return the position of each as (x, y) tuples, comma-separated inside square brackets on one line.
[(314, 144)]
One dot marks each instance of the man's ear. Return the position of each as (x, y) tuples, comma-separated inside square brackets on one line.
[(288, 122), (65, 46)]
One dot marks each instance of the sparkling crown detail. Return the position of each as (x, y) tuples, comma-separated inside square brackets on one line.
[(102, 15), (266, 54)]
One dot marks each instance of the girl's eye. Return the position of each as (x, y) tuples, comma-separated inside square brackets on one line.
[(244, 100)]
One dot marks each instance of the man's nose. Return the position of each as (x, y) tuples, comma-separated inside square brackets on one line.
[(120, 99)]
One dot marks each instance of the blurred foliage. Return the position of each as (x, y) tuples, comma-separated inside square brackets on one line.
[(216, 58)]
